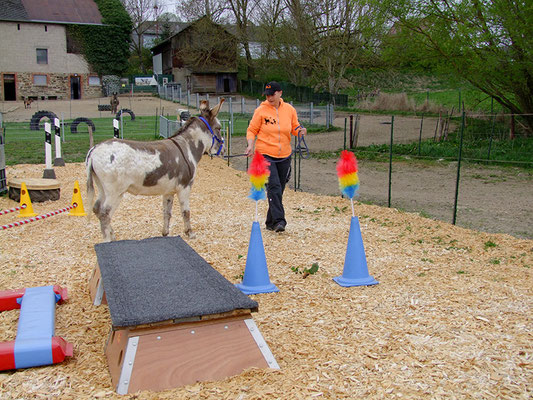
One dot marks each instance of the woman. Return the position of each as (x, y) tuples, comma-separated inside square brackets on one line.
[(271, 127)]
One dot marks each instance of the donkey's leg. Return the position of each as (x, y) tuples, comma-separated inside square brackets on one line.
[(168, 202), (104, 208), (105, 220), (183, 196), (103, 216)]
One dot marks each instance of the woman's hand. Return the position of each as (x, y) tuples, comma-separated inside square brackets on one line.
[(250, 148)]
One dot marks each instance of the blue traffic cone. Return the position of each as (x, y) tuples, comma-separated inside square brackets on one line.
[(256, 278), (355, 271)]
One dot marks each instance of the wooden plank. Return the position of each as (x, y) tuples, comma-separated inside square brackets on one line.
[(114, 351), (186, 355), (35, 183), (199, 320), (95, 284)]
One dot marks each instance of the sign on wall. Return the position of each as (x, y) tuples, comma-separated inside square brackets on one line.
[(145, 81)]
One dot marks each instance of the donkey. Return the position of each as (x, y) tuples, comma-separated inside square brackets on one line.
[(163, 167), (114, 103)]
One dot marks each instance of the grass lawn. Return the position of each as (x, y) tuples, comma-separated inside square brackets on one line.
[(24, 146)]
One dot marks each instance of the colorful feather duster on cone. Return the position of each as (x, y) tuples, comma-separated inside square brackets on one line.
[(347, 173), (259, 173)]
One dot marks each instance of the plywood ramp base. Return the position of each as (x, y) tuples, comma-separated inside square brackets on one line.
[(165, 357), (96, 288)]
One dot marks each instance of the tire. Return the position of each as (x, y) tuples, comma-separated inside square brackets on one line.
[(125, 110), (37, 196), (36, 119), (76, 122)]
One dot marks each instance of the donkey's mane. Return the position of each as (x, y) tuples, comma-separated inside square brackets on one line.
[(189, 122)]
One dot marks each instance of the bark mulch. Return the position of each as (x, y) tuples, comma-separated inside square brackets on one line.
[(450, 318)]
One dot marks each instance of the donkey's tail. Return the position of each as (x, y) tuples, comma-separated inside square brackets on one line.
[(90, 184)]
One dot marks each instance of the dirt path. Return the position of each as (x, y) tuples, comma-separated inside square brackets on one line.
[(490, 199)]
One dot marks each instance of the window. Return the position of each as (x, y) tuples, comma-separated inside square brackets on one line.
[(40, 80), (42, 56), (94, 81), (74, 45)]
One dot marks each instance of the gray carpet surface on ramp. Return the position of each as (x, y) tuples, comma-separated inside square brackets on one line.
[(162, 278)]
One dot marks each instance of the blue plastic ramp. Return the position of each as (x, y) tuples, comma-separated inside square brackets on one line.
[(36, 327)]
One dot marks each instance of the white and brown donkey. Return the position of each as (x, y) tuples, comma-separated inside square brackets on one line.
[(163, 167)]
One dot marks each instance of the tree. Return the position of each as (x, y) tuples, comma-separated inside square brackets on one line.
[(192, 10), (106, 48), (144, 14), (205, 46), (235, 12), (489, 43), (269, 17), (322, 38), (241, 10), (167, 24)]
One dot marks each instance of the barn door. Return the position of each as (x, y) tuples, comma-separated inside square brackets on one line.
[(75, 88), (10, 89)]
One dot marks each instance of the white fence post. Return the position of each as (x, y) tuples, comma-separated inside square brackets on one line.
[(58, 161), (49, 172)]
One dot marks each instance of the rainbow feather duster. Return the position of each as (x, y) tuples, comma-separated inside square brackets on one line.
[(347, 173), (259, 173)]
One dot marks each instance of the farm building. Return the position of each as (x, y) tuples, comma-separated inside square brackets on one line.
[(202, 56), (39, 58)]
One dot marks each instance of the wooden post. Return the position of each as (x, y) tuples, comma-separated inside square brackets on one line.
[(441, 128), (437, 127), (351, 131), (91, 141), (356, 130)]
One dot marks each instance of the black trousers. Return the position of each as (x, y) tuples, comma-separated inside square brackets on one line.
[(280, 173)]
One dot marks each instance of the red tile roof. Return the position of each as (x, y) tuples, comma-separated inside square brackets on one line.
[(69, 11)]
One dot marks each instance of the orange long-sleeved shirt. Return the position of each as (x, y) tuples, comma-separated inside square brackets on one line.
[(273, 128)]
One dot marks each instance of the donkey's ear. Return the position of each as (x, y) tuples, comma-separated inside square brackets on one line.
[(204, 108), (215, 110)]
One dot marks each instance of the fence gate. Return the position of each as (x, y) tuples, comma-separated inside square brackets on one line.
[(167, 127)]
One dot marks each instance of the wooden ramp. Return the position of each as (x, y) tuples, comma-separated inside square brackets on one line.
[(175, 319)]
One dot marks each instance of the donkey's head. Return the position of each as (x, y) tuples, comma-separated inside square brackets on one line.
[(210, 115)]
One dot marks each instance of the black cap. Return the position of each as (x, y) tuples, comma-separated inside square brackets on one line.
[(271, 88)]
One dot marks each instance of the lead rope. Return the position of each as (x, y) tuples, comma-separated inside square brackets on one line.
[(299, 147), (183, 155), (214, 137)]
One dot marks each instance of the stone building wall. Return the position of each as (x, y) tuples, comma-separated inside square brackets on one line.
[(18, 46), (58, 87)]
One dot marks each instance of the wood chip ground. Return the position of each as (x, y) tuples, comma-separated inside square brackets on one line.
[(451, 316)]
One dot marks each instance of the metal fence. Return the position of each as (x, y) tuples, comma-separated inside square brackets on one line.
[(167, 127), (307, 112), (301, 94)]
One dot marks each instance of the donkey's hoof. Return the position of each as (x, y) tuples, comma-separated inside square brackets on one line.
[(191, 234)]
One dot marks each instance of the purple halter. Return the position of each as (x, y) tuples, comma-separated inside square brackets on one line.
[(219, 140)]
